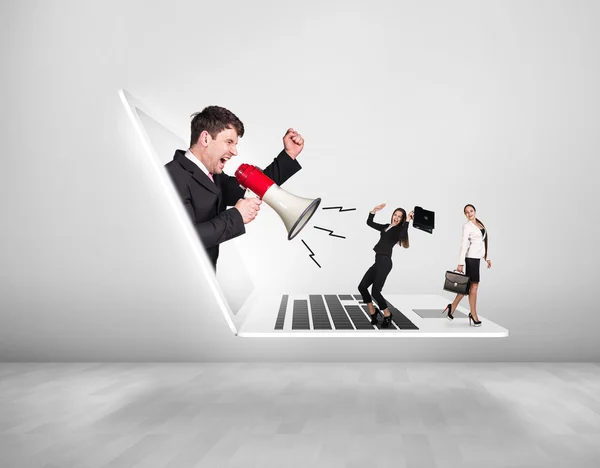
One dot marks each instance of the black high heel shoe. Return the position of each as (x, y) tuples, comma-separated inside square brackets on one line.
[(387, 320), (449, 309), (475, 322), (374, 320)]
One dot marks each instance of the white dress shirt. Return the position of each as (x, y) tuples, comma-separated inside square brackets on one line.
[(197, 162)]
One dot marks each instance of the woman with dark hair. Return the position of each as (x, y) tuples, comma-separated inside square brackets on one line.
[(391, 234), (474, 247)]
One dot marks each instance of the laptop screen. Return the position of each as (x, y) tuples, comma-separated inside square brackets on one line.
[(232, 275)]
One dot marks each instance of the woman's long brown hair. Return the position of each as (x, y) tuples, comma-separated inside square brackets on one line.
[(404, 241)]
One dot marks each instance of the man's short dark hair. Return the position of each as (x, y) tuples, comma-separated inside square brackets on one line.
[(214, 120)]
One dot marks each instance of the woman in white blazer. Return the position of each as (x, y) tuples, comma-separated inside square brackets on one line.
[(474, 247)]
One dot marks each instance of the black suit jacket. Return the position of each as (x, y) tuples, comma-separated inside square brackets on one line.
[(388, 239), (206, 201)]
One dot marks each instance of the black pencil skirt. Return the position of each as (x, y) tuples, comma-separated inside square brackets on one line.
[(472, 269)]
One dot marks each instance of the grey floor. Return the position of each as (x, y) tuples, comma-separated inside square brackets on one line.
[(299, 415)]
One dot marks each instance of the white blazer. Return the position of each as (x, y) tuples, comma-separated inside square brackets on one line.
[(472, 244)]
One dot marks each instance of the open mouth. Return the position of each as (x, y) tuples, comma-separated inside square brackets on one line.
[(222, 162)]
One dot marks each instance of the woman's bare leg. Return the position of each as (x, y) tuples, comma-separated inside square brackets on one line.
[(457, 300), (473, 300)]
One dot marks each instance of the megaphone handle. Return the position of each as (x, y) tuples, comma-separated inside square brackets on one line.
[(250, 194)]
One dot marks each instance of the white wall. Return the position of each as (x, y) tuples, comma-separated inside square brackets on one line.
[(431, 103)]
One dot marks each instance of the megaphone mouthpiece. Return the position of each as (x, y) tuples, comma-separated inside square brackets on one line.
[(294, 211), (252, 178)]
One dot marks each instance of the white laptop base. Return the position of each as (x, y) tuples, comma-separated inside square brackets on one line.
[(345, 316)]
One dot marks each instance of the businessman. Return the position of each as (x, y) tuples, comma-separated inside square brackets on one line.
[(207, 192)]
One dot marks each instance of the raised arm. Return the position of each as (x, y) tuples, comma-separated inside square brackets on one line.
[(281, 169), (373, 224)]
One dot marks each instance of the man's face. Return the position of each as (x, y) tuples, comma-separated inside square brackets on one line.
[(219, 150)]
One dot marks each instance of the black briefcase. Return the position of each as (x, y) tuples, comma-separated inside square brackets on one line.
[(424, 219), (457, 283)]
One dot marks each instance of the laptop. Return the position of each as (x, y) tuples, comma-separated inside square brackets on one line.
[(254, 313)]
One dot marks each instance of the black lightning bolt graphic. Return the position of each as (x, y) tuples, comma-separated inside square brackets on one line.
[(312, 254), (340, 208), (329, 231)]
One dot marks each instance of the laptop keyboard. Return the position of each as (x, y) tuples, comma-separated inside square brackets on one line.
[(300, 317), (281, 314), (351, 315), (340, 319), (319, 314)]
